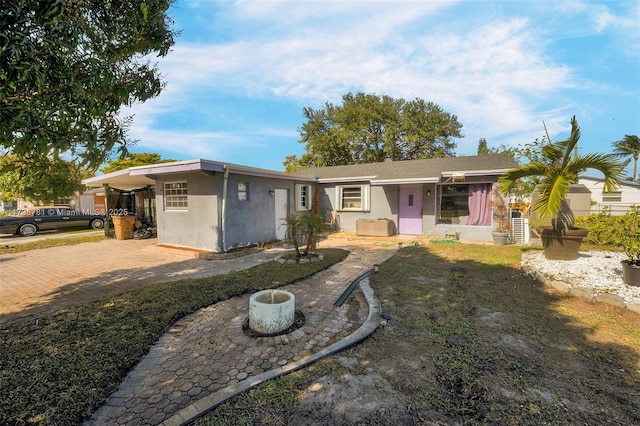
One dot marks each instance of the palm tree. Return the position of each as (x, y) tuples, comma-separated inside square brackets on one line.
[(558, 168), (304, 228), (629, 147), (295, 230)]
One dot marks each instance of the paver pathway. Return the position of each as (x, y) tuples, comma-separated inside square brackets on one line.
[(208, 352)]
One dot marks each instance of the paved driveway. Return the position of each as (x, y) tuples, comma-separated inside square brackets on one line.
[(38, 281), (44, 280)]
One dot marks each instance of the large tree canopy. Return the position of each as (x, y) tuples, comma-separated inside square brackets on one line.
[(134, 159), (66, 69), (50, 180), (369, 128)]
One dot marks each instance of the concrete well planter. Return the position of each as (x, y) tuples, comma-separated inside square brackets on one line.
[(271, 311)]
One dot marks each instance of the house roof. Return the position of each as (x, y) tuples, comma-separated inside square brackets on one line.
[(393, 172), (413, 171), (142, 176), (601, 180)]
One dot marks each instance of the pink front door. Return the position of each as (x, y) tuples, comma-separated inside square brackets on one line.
[(410, 211)]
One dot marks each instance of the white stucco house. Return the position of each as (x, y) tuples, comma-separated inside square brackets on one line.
[(617, 202)]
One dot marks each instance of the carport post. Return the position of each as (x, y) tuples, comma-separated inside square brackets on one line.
[(106, 209)]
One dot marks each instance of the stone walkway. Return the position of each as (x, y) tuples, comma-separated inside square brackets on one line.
[(206, 358)]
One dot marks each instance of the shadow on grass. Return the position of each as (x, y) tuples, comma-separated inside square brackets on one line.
[(491, 346)]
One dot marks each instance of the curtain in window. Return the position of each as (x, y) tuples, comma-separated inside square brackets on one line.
[(479, 205)]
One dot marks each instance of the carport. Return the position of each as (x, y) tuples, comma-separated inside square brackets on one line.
[(127, 193)]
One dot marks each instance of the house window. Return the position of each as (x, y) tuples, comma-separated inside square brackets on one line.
[(612, 197), (353, 197), (465, 204), (304, 195), (243, 191), (175, 196)]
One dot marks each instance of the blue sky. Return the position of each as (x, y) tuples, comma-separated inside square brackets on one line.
[(241, 72)]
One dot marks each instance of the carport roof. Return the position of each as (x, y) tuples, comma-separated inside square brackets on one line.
[(122, 179)]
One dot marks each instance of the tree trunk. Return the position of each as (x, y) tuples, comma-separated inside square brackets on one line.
[(565, 218)]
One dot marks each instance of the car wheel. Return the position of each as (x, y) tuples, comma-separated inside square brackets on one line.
[(96, 224), (27, 230)]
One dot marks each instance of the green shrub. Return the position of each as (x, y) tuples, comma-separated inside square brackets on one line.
[(600, 228), (628, 235), (606, 229)]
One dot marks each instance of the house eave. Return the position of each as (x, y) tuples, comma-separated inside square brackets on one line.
[(406, 181), (140, 176), (490, 172), (346, 179)]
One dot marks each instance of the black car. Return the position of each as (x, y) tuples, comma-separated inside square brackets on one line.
[(31, 220)]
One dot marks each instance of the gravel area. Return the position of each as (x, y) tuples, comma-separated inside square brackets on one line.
[(599, 271)]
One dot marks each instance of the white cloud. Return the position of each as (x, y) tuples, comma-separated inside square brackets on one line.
[(496, 76)]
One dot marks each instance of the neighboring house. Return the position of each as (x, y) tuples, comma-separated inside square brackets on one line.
[(217, 206), (90, 201), (8, 206), (617, 202)]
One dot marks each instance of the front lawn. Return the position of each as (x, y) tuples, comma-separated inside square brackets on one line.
[(471, 340)]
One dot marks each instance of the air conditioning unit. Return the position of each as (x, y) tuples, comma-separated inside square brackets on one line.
[(520, 230)]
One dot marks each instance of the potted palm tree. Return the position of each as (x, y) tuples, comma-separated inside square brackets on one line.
[(628, 236), (501, 223), (557, 168)]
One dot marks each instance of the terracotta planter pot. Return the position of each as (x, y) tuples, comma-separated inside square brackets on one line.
[(561, 245), (630, 273)]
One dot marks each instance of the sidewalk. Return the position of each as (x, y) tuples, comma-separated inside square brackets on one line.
[(206, 358)]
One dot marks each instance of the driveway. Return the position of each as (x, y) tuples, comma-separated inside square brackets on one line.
[(38, 281)]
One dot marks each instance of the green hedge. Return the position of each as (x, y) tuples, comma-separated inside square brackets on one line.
[(604, 228)]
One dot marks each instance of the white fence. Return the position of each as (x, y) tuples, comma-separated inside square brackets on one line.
[(613, 208)]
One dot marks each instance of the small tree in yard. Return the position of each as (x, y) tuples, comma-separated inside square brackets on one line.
[(304, 228), (500, 209), (557, 168), (315, 225), (295, 229)]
